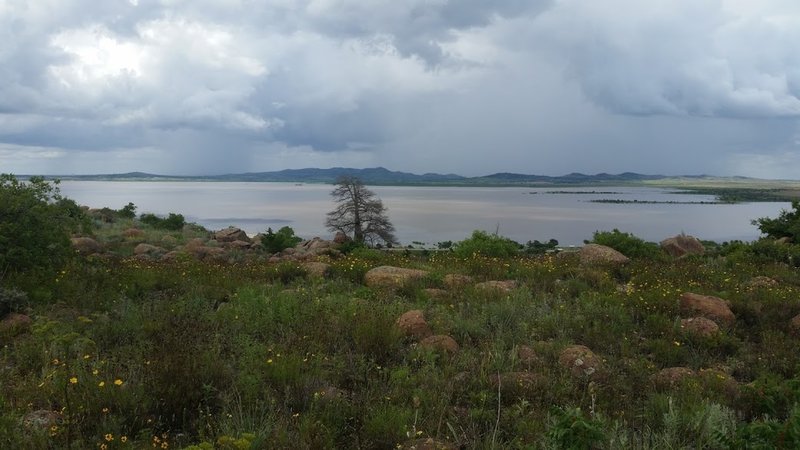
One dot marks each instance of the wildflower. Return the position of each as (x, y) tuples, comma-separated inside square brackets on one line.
[(269, 361), (109, 437), (103, 446), (124, 439), (73, 380), (164, 445), (101, 384), (118, 382), (95, 372)]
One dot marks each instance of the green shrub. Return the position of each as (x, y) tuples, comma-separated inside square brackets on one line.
[(277, 242), (173, 222), (485, 244), (787, 224), (35, 224), (571, 429), (11, 300), (540, 248), (627, 244)]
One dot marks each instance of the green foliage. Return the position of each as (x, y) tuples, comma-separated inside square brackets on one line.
[(444, 245), (485, 244), (539, 248), (128, 211), (35, 224), (787, 224), (627, 244), (276, 242), (12, 300), (571, 429), (172, 222)]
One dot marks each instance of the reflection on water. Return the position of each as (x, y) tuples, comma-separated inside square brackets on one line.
[(433, 214)]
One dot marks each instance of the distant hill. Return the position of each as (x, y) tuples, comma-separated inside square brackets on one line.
[(383, 176)]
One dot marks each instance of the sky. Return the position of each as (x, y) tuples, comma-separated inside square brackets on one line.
[(473, 87)]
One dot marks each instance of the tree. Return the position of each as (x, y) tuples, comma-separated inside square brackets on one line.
[(283, 239), (35, 224), (359, 212), (787, 224)]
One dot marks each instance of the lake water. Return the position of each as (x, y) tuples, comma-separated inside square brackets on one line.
[(433, 214)]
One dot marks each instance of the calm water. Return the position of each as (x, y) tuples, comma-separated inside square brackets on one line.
[(433, 214)]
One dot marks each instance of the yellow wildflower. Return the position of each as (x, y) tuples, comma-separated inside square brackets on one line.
[(118, 382), (73, 380)]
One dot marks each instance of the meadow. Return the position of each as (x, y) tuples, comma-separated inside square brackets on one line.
[(126, 352)]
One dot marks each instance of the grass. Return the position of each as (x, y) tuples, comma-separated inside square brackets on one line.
[(133, 353)]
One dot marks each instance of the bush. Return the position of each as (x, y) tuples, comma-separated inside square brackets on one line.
[(540, 248), (627, 244), (35, 224), (173, 222), (276, 242), (787, 224), (485, 244)]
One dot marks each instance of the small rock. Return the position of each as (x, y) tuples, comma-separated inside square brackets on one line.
[(503, 287), (412, 323), (580, 361), (148, 250), (526, 355), (794, 325), (437, 294), (699, 326), (41, 419), (427, 444), (601, 254), (392, 277), (708, 306), (761, 282), (441, 343), (670, 377), (86, 246), (14, 324), (517, 383), (317, 269)]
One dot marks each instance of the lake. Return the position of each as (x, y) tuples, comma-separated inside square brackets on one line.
[(433, 214)]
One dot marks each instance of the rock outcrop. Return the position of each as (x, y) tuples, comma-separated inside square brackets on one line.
[(601, 254), (441, 343), (412, 323), (671, 377), (86, 246), (682, 245), (699, 326), (231, 234), (708, 306), (502, 287)]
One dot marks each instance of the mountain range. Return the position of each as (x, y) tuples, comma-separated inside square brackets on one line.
[(383, 176)]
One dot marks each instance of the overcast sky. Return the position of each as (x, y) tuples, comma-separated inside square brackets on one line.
[(450, 86)]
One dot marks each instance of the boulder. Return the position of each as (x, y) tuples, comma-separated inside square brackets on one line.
[(502, 287), (170, 256), (231, 234), (456, 280), (315, 245), (86, 246), (761, 282), (601, 254), (784, 240), (526, 355), (317, 269), (440, 343), (580, 361), (193, 244), (682, 245), (148, 250), (392, 277), (708, 306), (671, 376), (412, 323), (41, 419), (340, 238), (794, 325), (169, 240), (14, 324), (699, 326)]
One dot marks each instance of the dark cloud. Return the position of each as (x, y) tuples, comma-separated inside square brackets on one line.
[(542, 86)]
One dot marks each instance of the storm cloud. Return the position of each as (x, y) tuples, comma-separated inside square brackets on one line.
[(473, 87)]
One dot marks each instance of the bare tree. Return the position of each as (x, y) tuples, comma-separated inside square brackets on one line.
[(359, 213)]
